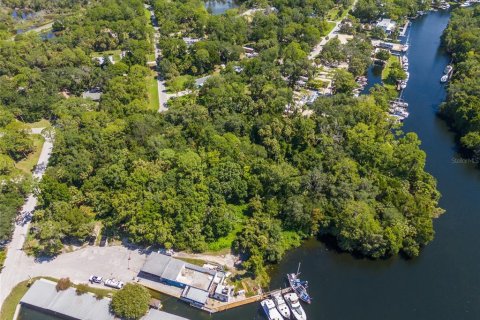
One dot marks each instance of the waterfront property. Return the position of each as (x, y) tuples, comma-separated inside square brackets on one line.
[(387, 25), (67, 304), (198, 283)]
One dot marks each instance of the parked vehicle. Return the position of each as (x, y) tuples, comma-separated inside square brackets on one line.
[(113, 283), (95, 279)]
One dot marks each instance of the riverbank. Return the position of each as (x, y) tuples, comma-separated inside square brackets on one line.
[(442, 283)]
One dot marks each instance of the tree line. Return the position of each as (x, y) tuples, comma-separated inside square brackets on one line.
[(462, 39)]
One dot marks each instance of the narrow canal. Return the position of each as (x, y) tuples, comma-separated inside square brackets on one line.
[(444, 282)]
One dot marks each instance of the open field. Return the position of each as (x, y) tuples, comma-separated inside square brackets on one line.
[(152, 92), (29, 163)]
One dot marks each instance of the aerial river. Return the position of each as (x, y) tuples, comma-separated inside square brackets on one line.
[(444, 281)]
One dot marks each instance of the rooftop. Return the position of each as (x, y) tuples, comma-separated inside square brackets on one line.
[(173, 269), (160, 315), (194, 294), (44, 295)]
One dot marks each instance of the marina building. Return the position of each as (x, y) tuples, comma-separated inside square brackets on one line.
[(198, 283)]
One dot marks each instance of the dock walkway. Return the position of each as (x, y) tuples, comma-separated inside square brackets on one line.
[(248, 300)]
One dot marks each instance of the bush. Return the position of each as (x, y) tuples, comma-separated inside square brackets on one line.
[(131, 302), (82, 288), (63, 284)]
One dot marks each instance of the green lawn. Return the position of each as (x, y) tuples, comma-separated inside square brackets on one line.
[(152, 92), (333, 14), (197, 262), (330, 27), (3, 256), (114, 53), (29, 163), (386, 72), (225, 243), (178, 83), (43, 123)]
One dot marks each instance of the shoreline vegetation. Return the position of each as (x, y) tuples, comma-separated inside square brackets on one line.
[(226, 167), (462, 40)]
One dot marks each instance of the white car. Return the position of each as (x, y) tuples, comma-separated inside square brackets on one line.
[(95, 279), (113, 283)]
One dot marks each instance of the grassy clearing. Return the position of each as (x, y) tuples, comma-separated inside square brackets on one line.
[(197, 262), (330, 27), (27, 164), (333, 14), (11, 302), (3, 256), (386, 72), (44, 123), (114, 53), (223, 244), (178, 83), (152, 92)]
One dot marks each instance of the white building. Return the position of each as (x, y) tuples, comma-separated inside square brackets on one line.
[(387, 25)]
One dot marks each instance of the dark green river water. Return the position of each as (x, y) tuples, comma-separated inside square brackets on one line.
[(444, 282)]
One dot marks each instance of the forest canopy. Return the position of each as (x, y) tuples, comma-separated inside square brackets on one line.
[(462, 109), (225, 161)]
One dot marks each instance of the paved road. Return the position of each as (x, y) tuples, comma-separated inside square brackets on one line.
[(319, 47), (162, 90), (11, 273)]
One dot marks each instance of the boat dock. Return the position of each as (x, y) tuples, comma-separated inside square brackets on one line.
[(404, 29), (393, 47), (223, 306)]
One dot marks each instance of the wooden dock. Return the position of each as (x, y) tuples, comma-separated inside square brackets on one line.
[(248, 300)]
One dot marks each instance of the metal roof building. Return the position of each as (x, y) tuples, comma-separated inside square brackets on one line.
[(178, 273), (160, 315), (43, 296)]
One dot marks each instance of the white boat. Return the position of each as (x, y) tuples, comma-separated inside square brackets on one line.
[(270, 310), (444, 78), (294, 304), (281, 305), (448, 69), (405, 59)]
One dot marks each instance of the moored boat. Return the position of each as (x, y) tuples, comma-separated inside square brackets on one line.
[(299, 286), (444, 78), (269, 307), (281, 305), (448, 69), (294, 304)]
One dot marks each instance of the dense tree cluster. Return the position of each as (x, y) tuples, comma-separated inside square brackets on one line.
[(371, 10), (15, 145), (225, 157), (462, 39), (357, 53), (221, 37)]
